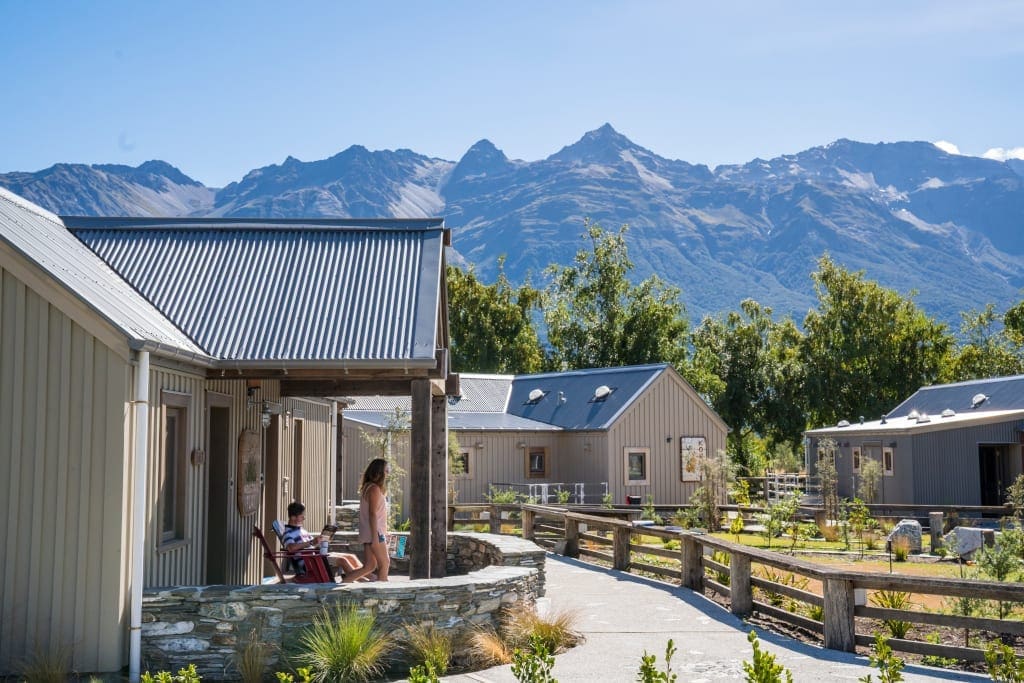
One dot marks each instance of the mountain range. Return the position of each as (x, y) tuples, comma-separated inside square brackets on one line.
[(914, 217)]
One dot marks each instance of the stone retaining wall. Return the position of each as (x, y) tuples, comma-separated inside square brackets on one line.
[(208, 625)]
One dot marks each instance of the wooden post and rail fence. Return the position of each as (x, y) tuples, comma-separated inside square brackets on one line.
[(579, 534)]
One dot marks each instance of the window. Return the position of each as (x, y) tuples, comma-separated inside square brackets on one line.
[(460, 465), (887, 462), (856, 459), (537, 462), (173, 467), (636, 460)]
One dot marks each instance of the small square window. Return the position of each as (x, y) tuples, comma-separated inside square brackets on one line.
[(888, 463), (636, 461), (537, 462)]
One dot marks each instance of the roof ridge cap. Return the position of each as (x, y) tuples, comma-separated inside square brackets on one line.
[(27, 205)]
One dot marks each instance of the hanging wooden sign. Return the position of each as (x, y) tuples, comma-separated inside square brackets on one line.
[(248, 472)]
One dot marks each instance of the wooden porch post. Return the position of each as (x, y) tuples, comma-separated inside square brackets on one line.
[(838, 615), (419, 480), (438, 485)]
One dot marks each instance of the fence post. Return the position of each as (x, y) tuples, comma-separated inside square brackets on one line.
[(620, 547), (838, 615), (572, 537), (693, 563), (494, 517), (527, 524), (742, 597), (451, 518)]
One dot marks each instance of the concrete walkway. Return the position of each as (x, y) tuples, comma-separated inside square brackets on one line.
[(622, 615)]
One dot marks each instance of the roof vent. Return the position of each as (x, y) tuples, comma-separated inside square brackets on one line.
[(535, 395), (922, 418), (913, 415), (978, 399), (948, 412), (843, 423), (602, 392)]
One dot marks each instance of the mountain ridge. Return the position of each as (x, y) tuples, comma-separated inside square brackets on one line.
[(911, 215)]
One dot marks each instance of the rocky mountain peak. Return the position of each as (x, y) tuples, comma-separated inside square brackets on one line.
[(603, 146), (482, 159)]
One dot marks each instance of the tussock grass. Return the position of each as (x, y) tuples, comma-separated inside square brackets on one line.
[(47, 666), (429, 645), (343, 645)]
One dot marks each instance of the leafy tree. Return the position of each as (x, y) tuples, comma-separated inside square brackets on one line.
[(749, 368), (866, 347), (828, 478), (385, 441), (596, 318), (992, 347), (870, 478), (490, 325)]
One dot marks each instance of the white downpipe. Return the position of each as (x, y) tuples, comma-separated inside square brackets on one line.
[(138, 539), (332, 501)]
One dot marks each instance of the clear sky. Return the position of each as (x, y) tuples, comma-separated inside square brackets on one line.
[(220, 88)]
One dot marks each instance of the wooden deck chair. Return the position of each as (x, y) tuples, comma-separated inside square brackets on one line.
[(315, 563)]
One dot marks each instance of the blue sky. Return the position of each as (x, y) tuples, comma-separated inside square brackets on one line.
[(219, 88)]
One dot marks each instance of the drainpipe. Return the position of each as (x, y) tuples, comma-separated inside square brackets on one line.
[(332, 493), (138, 537)]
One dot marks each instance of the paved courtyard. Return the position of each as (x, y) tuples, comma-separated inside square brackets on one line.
[(622, 615)]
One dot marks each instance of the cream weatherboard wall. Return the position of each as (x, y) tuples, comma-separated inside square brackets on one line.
[(63, 467), (668, 409)]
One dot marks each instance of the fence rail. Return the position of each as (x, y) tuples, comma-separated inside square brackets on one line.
[(732, 577)]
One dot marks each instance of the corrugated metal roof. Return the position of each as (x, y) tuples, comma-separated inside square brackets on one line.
[(285, 290), (42, 238), (569, 399), (502, 402), (907, 425), (480, 394), (1002, 393)]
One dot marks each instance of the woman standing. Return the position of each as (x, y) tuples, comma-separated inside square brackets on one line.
[(373, 522)]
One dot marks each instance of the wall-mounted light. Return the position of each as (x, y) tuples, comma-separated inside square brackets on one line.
[(521, 444), (668, 439), (265, 420), (478, 444)]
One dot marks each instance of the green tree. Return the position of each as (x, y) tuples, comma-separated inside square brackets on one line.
[(386, 442), (491, 325), (596, 318), (992, 347), (748, 366), (866, 347)]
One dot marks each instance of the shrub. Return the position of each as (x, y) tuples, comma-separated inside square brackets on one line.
[(533, 665), (424, 673), (430, 647), (721, 557), (649, 673), (648, 512), (830, 532), (563, 496), (816, 612), (936, 660), (881, 657), (1003, 663), (780, 577), (343, 645), (497, 496), (893, 600), (736, 527), (763, 668), (186, 675)]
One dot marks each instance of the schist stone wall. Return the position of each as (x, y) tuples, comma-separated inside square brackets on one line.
[(208, 625)]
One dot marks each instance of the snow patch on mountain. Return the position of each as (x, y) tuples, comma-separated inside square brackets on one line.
[(416, 201), (940, 230), (931, 184), (649, 178), (865, 182)]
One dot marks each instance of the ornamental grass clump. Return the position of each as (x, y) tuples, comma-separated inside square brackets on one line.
[(47, 666), (343, 645), (556, 630), (430, 647)]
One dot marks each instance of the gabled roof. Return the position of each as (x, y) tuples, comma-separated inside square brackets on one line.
[(568, 400), (40, 237), (571, 400), (286, 291), (946, 406)]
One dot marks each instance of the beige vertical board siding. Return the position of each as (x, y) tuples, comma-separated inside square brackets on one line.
[(316, 458), (176, 563), (244, 564), (501, 461), (63, 571), (669, 407)]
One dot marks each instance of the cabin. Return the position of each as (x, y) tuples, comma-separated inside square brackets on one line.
[(949, 444), (167, 386), (628, 431)]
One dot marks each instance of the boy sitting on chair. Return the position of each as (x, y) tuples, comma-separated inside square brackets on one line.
[(296, 538)]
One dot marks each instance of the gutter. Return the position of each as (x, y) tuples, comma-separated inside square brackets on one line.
[(173, 352), (140, 405)]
